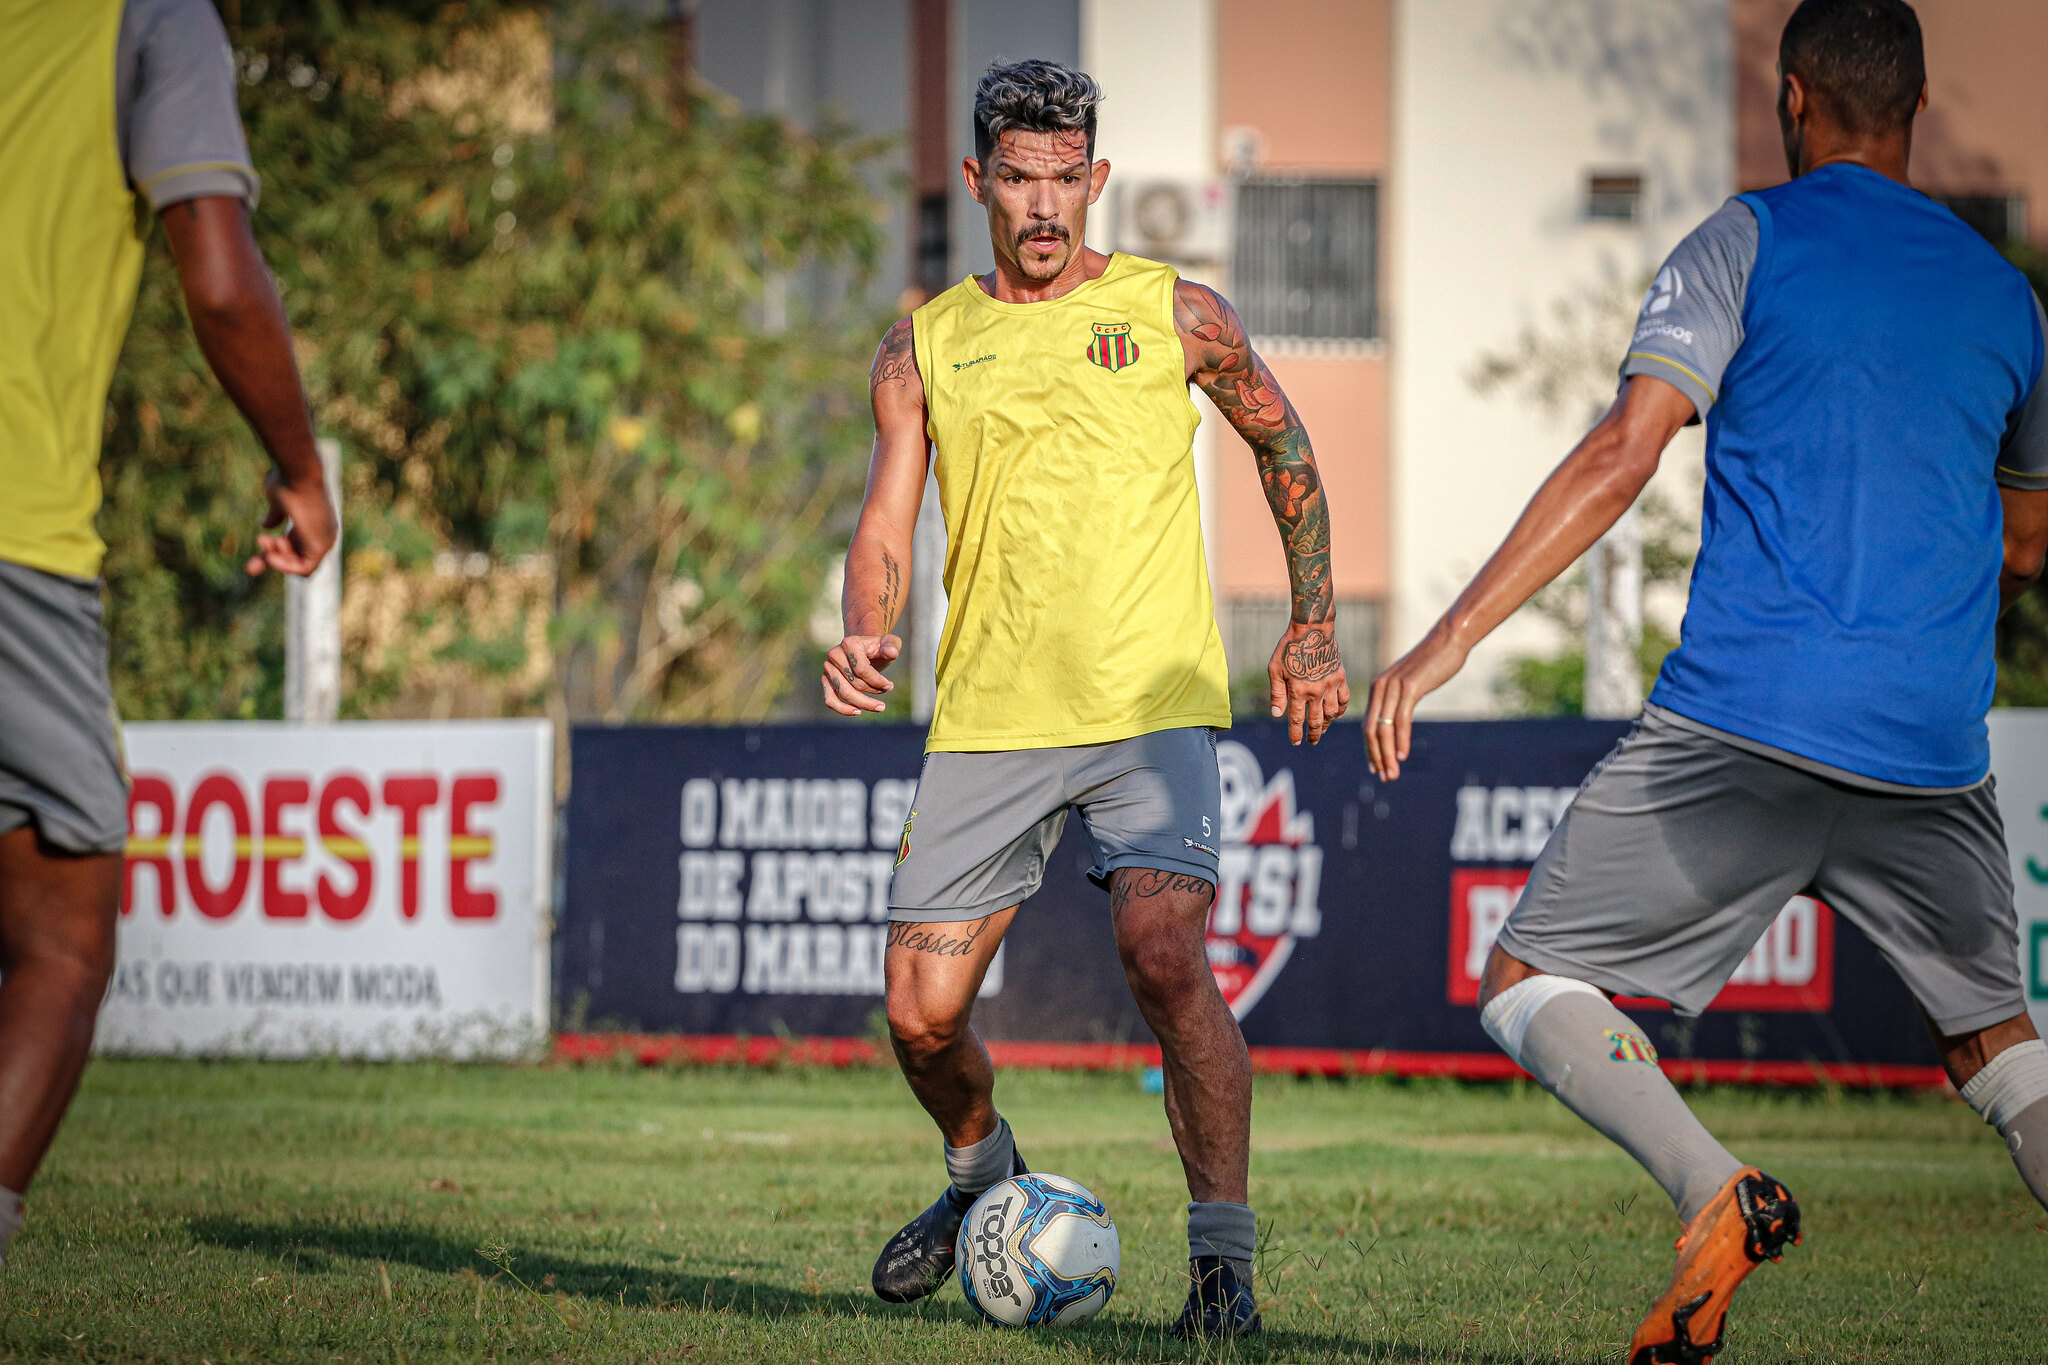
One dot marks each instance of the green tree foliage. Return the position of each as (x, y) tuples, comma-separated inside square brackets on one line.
[(539, 293), (1555, 684), (1565, 369)]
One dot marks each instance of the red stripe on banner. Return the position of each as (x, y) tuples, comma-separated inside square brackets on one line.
[(731, 1049)]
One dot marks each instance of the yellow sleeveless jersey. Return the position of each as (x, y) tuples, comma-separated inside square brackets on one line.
[(70, 259), (1078, 607)]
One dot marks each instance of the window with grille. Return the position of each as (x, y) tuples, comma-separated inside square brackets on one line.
[(1306, 258), (2001, 218), (1614, 198)]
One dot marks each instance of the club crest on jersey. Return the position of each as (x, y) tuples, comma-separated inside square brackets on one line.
[(1269, 872), (1112, 347)]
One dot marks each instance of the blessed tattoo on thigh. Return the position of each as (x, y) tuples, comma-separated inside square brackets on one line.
[(940, 940)]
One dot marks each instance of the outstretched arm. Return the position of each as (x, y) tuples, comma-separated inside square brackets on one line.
[(242, 331), (1602, 477), (878, 560), (2026, 542), (1306, 674)]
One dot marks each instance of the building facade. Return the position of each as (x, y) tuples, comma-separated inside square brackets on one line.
[(1436, 216)]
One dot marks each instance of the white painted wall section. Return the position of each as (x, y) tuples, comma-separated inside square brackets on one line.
[(1502, 108)]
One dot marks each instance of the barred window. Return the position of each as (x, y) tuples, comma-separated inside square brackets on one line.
[(2001, 218), (1614, 197), (1306, 258)]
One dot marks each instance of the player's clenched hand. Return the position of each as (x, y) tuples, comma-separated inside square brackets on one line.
[(299, 548), (1308, 680), (1390, 714), (853, 673)]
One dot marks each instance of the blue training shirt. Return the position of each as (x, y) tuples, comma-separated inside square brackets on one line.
[(1869, 371)]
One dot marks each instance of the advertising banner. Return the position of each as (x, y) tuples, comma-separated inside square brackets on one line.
[(2019, 758), (370, 889), (734, 881)]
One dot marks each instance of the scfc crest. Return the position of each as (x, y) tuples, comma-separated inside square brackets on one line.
[(1112, 347)]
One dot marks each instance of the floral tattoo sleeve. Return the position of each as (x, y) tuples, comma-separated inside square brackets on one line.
[(1243, 390)]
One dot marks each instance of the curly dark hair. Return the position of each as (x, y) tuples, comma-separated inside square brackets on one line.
[(1036, 97)]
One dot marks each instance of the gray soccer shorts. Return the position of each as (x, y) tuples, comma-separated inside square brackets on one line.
[(982, 825), (60, 745), (1680, 850)]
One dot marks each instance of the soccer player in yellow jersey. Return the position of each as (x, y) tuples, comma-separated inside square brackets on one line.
[(102, 101), (1080, 667)]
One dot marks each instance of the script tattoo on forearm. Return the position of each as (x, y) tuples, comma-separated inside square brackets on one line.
[(1244, 391), (892, 590), (940, 940)]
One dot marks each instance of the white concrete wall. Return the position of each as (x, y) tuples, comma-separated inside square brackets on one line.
[(1501, 109), (1156, 63)]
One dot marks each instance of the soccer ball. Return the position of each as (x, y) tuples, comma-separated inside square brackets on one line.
[(1038, 1249)]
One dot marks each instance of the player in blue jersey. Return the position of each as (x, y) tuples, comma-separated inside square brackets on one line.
[(1870, 373)]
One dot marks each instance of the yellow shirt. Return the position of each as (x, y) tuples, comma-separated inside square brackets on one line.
[(1078, 607), (70, 260)]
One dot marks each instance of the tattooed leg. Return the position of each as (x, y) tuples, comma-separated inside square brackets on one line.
[(933, 972), (1159, 920)]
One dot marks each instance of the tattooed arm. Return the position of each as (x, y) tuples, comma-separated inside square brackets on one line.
[(1306, 674), (878, 560)]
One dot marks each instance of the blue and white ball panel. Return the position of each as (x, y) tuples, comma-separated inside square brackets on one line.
[(1038, 1249)]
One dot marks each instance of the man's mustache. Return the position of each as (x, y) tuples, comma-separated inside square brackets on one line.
[(1042, 230)]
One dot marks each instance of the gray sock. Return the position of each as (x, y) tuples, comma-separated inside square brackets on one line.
[(1227, 1230), (974, 1169), (1593, 1057), (10, 1220), (2011, 1092), (2026, 1137)]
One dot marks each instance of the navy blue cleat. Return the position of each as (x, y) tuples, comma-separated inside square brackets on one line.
[(1219, 1303), (915, 1263)]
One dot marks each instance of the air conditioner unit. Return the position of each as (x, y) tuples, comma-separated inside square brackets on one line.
[(1173, 220)]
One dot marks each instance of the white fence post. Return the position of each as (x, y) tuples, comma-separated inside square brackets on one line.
[(312, 621), (1614, 621)]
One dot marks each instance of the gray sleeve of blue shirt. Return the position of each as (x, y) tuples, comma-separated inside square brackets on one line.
[(2023, 457), (174, 103), (1691, 320)]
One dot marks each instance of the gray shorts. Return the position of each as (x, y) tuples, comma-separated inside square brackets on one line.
[(1680, 850), (60, 744), (982, 825)]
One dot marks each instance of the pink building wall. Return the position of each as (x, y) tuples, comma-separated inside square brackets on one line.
[(1985, 131), (1312, 79)]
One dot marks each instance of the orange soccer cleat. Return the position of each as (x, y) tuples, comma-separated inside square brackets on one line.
[(1752, 1220)]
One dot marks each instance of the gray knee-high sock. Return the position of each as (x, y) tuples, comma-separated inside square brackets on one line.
[(975, 1168), (1589, 1054), (10, 1220), (2011, 1092)]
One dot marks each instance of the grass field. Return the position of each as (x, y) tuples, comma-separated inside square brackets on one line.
[(326, 1211)]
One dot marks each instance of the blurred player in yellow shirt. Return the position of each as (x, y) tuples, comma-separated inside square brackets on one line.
[(102, 100)]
